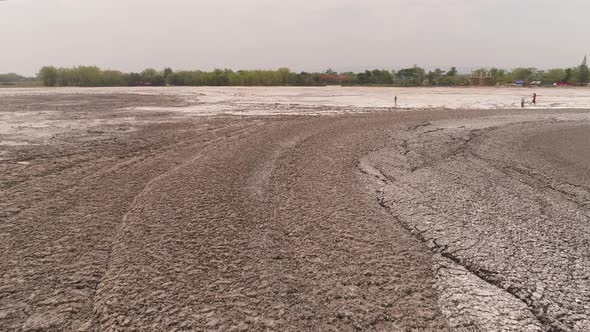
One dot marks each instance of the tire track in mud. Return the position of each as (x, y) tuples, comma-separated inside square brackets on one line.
[(270, 232), (202, 149), (56, 245)]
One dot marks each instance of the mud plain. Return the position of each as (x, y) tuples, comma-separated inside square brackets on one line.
[(294, 209)]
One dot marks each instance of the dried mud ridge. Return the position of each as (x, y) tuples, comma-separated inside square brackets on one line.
[(385, 221)]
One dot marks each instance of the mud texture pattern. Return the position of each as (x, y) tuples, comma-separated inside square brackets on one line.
[(120, 213), (507, 203)]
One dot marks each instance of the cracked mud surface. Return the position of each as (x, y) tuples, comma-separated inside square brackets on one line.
[(508, 203), (120, 219)]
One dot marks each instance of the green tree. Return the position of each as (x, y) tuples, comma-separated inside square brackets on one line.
[(283, 75), (88, 76), (113, 78), (381, 77), (553, 75), (134, 79), (411, 76), (568, 75), (167, 73), (152, 77), (583, 73), (500, 76), (525, 74), (48, 75), (434, 77), (452, 72), (68, 77)]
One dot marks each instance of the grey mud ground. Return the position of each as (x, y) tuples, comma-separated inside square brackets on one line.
[(116, 219)]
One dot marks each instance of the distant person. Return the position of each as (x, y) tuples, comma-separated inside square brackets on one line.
[(534, 99), (522, 103), (395, 100)]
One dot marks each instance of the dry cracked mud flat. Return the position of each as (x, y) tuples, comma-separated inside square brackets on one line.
[(118, 218)]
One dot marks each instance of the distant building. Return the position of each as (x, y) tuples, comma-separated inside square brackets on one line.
[(481, 78)]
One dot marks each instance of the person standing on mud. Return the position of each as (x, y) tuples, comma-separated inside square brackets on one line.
[(522, 103), (534, 101), (395, 100)]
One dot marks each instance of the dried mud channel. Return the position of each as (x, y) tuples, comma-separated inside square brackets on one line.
[(384, 221)]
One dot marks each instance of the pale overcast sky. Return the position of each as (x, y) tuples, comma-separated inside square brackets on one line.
[(300, 34)]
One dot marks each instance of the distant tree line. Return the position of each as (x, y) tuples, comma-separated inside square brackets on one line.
[(574, 75), (89, 76)]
